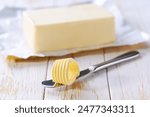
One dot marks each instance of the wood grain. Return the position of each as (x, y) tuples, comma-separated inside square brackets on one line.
[(22, 80)]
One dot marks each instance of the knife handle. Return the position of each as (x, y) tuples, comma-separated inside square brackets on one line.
[(122, 58)]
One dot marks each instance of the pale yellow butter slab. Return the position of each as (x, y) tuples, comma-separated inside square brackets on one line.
[(67, 28)]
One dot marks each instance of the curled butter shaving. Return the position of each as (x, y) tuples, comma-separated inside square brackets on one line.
[(65, 71)]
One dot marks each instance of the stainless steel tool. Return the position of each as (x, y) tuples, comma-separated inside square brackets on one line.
[(94, 68)]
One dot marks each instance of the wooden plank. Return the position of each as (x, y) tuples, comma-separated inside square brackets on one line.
[(22, 80), (92, 87), (129, 80)]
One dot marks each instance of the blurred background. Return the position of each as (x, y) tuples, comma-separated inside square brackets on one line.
[(127, 7)]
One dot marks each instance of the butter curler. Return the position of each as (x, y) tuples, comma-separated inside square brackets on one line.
[(65, 71)]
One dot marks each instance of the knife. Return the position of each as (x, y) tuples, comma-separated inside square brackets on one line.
[(94, 68)]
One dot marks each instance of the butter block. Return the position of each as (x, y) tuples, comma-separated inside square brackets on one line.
[(65, 28)]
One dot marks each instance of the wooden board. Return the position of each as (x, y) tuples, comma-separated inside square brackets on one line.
[(22, 80), (129, 80)]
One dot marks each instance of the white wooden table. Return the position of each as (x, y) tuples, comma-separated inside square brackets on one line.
[(130, 80)]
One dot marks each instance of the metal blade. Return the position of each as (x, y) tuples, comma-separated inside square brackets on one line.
[(83, 73), (51, 84)]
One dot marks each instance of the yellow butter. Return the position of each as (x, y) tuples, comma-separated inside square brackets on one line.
[(65, 71), (56, 29)]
